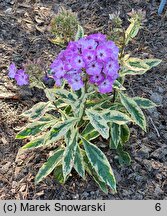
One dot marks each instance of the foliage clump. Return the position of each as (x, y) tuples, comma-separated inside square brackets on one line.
[(64, 26)]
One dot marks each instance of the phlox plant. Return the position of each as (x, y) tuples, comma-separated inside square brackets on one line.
[(88, 101)]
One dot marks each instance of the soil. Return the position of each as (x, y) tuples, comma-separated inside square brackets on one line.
[(24, 35)]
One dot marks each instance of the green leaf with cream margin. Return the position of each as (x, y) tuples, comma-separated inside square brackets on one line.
[(79, 163), (144, 103), (59, 130), (99, 162), (80, 33), (132, 30), (115, 138), (98, 122), (35, 143), (49, 166), (136, 66), (89, 133), (34, 128), (69, 154), (89, 168), (118, 85), (38, 110), (116, 117), (69, 98), (134, 110)]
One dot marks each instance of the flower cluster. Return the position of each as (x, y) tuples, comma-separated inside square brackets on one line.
[(19, 75), (92, 58)]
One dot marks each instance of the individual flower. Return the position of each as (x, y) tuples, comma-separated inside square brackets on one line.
[(111, 68), (72, 46), (76, 82), (12, 70), (113, 48), (94, 68), (105, 86), (88, 55), (96, 79), (88, 44), (97, 37), (77, 62), (58, 69), (103, 54), (21, 77)]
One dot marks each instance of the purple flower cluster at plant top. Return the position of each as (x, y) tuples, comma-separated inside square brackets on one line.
[(19, 75), (93, 55)]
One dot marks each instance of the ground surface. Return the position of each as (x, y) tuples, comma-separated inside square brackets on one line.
[(23, 36)]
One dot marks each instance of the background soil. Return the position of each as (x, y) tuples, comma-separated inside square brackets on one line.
[(24, 35)]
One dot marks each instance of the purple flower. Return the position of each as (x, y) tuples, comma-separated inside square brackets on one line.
[(103, 53), (58, 69), (111, 68), (77, 62), (76, 82), (21, 77), (58, 81), (12, 70), (114, 49), (93, 55), (97, 37), (88, 56), (106, 86), (94, 68), (96, 78), (72, 46), (88, 44)]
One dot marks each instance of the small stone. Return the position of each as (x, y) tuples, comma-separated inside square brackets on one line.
[(76, 196), (144, 152), (8, 11), (160, 153), (85, 194), (148, 165), (157, 98), (158, 190), (153, 112), (160, 90)]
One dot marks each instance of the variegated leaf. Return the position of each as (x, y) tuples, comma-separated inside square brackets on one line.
[(79, 163), (34, 128), (89, 168), (100, 163), (115, 135), (134, 110), (35, 143), (152, 62), (69, 154), (89, 133), (58, 174), (80, 33), (49, 166), (136, 64), (59, 130), (116, 117), (144, 103), (98, 122), (125, 133), (38, 110), (118, 85)]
